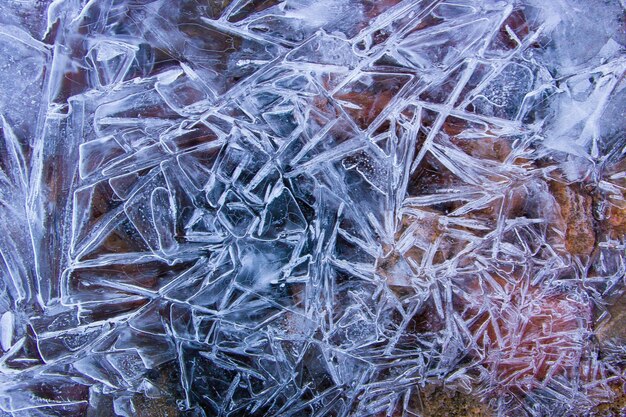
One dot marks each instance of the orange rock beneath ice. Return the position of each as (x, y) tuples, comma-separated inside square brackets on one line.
[(525, 337)]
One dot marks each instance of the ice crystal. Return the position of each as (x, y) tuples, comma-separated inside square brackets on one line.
[(309, 208)]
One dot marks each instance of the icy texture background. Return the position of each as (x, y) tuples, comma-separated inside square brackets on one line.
[(309, 208)]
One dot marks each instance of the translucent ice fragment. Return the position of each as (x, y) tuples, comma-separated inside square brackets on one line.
[(236, 215), (503, 95), (442, 46), (128, 363), (111, 61), (164, 218), (184, 91), (96, 154), (282, 215), (324, 49)]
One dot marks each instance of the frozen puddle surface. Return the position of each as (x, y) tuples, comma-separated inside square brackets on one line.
[(311, 208)]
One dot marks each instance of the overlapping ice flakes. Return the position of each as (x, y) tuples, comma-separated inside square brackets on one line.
[(291, 208)]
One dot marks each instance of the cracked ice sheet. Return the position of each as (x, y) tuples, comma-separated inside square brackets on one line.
[(286, 208)]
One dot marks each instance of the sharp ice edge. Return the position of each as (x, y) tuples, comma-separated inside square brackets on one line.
[(287, 208)]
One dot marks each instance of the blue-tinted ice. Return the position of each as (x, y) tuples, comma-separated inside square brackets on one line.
[(310, 208)]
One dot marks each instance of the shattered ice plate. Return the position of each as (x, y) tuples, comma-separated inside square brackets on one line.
[(330, 208)]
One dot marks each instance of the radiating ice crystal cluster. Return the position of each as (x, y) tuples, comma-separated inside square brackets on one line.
[(310, 207)]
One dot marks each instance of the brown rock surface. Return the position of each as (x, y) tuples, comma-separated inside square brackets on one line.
[(616, 408), (576, 210), (441, 402)]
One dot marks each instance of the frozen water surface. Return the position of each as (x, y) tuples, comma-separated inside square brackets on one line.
[(311, 208)]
